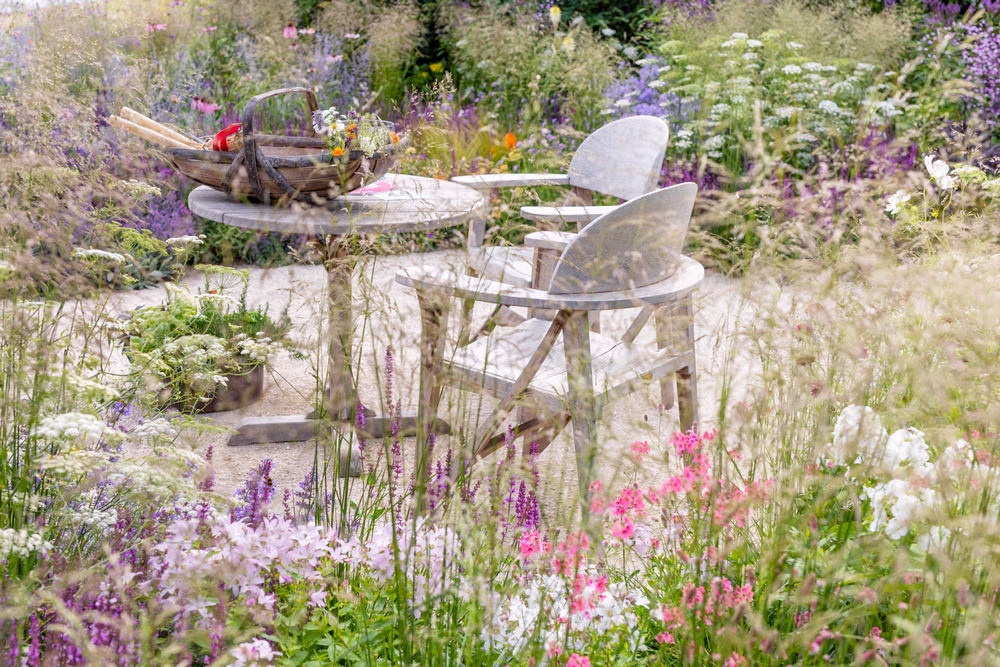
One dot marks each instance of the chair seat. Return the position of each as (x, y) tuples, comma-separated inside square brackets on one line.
[(493, 364), (511, 265)]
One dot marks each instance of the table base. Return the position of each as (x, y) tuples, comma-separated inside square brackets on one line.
[(297, 428)]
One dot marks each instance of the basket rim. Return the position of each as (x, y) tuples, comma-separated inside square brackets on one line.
[(311, 159)]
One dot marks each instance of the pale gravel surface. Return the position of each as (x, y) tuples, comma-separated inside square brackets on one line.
[(394, 320)]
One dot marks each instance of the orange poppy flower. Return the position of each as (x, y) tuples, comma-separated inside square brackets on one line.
[(510, 140), (338, 151)]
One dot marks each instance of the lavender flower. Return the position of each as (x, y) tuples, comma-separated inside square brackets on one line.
[(254, 496)]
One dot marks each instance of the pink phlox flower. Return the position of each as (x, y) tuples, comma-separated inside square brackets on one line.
[(665, 638), (596, 486), (577, 660), (736, 660)]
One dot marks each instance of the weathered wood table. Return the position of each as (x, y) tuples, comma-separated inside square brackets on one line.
[(412, 204)]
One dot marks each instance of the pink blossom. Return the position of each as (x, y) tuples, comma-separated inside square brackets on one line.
[(203, 105), (335, 58), (640, 448), (623, 530), (665, 638), (307, 31), (352, 35), (290, 32), (210, 28), (577, 660), (318, 598), (153, 27)]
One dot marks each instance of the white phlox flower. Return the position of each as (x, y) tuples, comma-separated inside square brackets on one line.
[(858, 435)]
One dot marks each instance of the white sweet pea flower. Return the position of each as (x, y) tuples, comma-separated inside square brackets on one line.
[(895, 202), (938, 169)]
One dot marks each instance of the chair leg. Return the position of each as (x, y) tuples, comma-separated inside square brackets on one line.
[(582, 406), (687, 378), (664, 316), (434, 328)]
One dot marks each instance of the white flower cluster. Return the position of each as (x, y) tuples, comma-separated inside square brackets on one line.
[(93, 254), (154, 431), (194, 349), (102, 520), (551, 604), (87, 388), (74, 462), (188, 240), (140, 190), (21, 543), (258, 349), (74, 426), (909, 497)]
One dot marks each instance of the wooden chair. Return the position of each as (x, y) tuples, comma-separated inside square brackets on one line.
[(622, 159), (629, 257)]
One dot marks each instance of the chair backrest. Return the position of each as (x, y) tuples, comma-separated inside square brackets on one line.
[(622, 158), (637, 244)]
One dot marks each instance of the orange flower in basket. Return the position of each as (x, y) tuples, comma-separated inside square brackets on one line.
[(510, 140), (395, 137), (338, 151), (352, 130)]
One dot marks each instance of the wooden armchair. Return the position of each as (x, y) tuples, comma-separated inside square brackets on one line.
[(553, 363), (622, 159)]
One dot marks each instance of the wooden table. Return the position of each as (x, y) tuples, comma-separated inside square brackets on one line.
[(414, 204)]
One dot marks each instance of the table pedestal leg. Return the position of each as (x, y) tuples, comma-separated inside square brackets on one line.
[(341, 394)]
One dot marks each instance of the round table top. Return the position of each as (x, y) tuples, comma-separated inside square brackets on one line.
[(395, 203)]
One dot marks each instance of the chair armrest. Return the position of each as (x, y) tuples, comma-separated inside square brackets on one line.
[(549, 240), (688, 276), (577, 214), (488, 182)]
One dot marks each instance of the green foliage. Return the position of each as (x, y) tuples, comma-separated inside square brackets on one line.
[(521, 74), (184, 347)]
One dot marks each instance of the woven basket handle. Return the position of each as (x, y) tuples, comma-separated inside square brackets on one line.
[(251, 108), (252, 158)]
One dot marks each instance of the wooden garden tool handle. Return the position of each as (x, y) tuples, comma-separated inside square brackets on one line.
[(145, 133), (159, 128)]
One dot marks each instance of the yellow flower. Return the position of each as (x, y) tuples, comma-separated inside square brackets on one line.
[(437, 68), (568, 44), (554, 14)]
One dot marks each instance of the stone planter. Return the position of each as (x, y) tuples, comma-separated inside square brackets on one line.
[(240, 391)]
